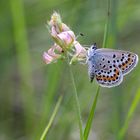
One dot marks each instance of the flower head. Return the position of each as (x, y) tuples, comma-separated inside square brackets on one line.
[(65, 42)]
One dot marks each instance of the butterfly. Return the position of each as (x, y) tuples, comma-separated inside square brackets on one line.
[(108, 66)]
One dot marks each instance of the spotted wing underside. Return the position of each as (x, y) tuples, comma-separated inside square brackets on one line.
[(109, 77), (124, 60)]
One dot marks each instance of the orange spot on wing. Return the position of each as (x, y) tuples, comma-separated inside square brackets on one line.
[(105, 78)]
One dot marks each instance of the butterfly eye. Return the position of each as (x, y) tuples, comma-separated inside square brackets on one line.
[(94, 47)]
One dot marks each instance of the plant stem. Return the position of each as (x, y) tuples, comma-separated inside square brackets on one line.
[(52, 118), (77, 106), (106, 26)]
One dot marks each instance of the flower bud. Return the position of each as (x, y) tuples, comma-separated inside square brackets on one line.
[(55, 22), (65, 39)]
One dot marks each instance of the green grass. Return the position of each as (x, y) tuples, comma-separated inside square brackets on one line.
[(23, 60), (45, 132), (91, 116), (130, 114)]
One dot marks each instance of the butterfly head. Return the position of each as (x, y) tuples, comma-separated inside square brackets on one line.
[(94, 47), (91, 50)]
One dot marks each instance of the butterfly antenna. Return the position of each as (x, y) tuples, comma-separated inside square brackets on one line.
[(80, 34)]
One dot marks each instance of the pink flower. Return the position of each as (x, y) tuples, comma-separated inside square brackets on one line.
[(80, 53), (50, 56), (47, 58), (63, 39), (66, 38), (64, 42), (60, 32)]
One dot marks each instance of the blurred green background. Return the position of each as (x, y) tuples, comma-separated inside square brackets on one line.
[(29, 88)]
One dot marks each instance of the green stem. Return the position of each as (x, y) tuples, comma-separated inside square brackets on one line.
[(106, 26), (77, 105), (52, 118), (105, 35), (78, 110), (133, 106)]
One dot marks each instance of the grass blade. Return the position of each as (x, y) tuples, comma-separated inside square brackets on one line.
[(91, 116), (105, 35), (106, 26), (92, 112), (133, 106), (25, 83), (45, 132)]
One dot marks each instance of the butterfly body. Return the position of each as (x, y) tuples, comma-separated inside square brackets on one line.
[(109, 66)]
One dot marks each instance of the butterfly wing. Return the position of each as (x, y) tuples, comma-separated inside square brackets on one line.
[(109, 76), (127, 62), (106, 72), (124, 60)]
